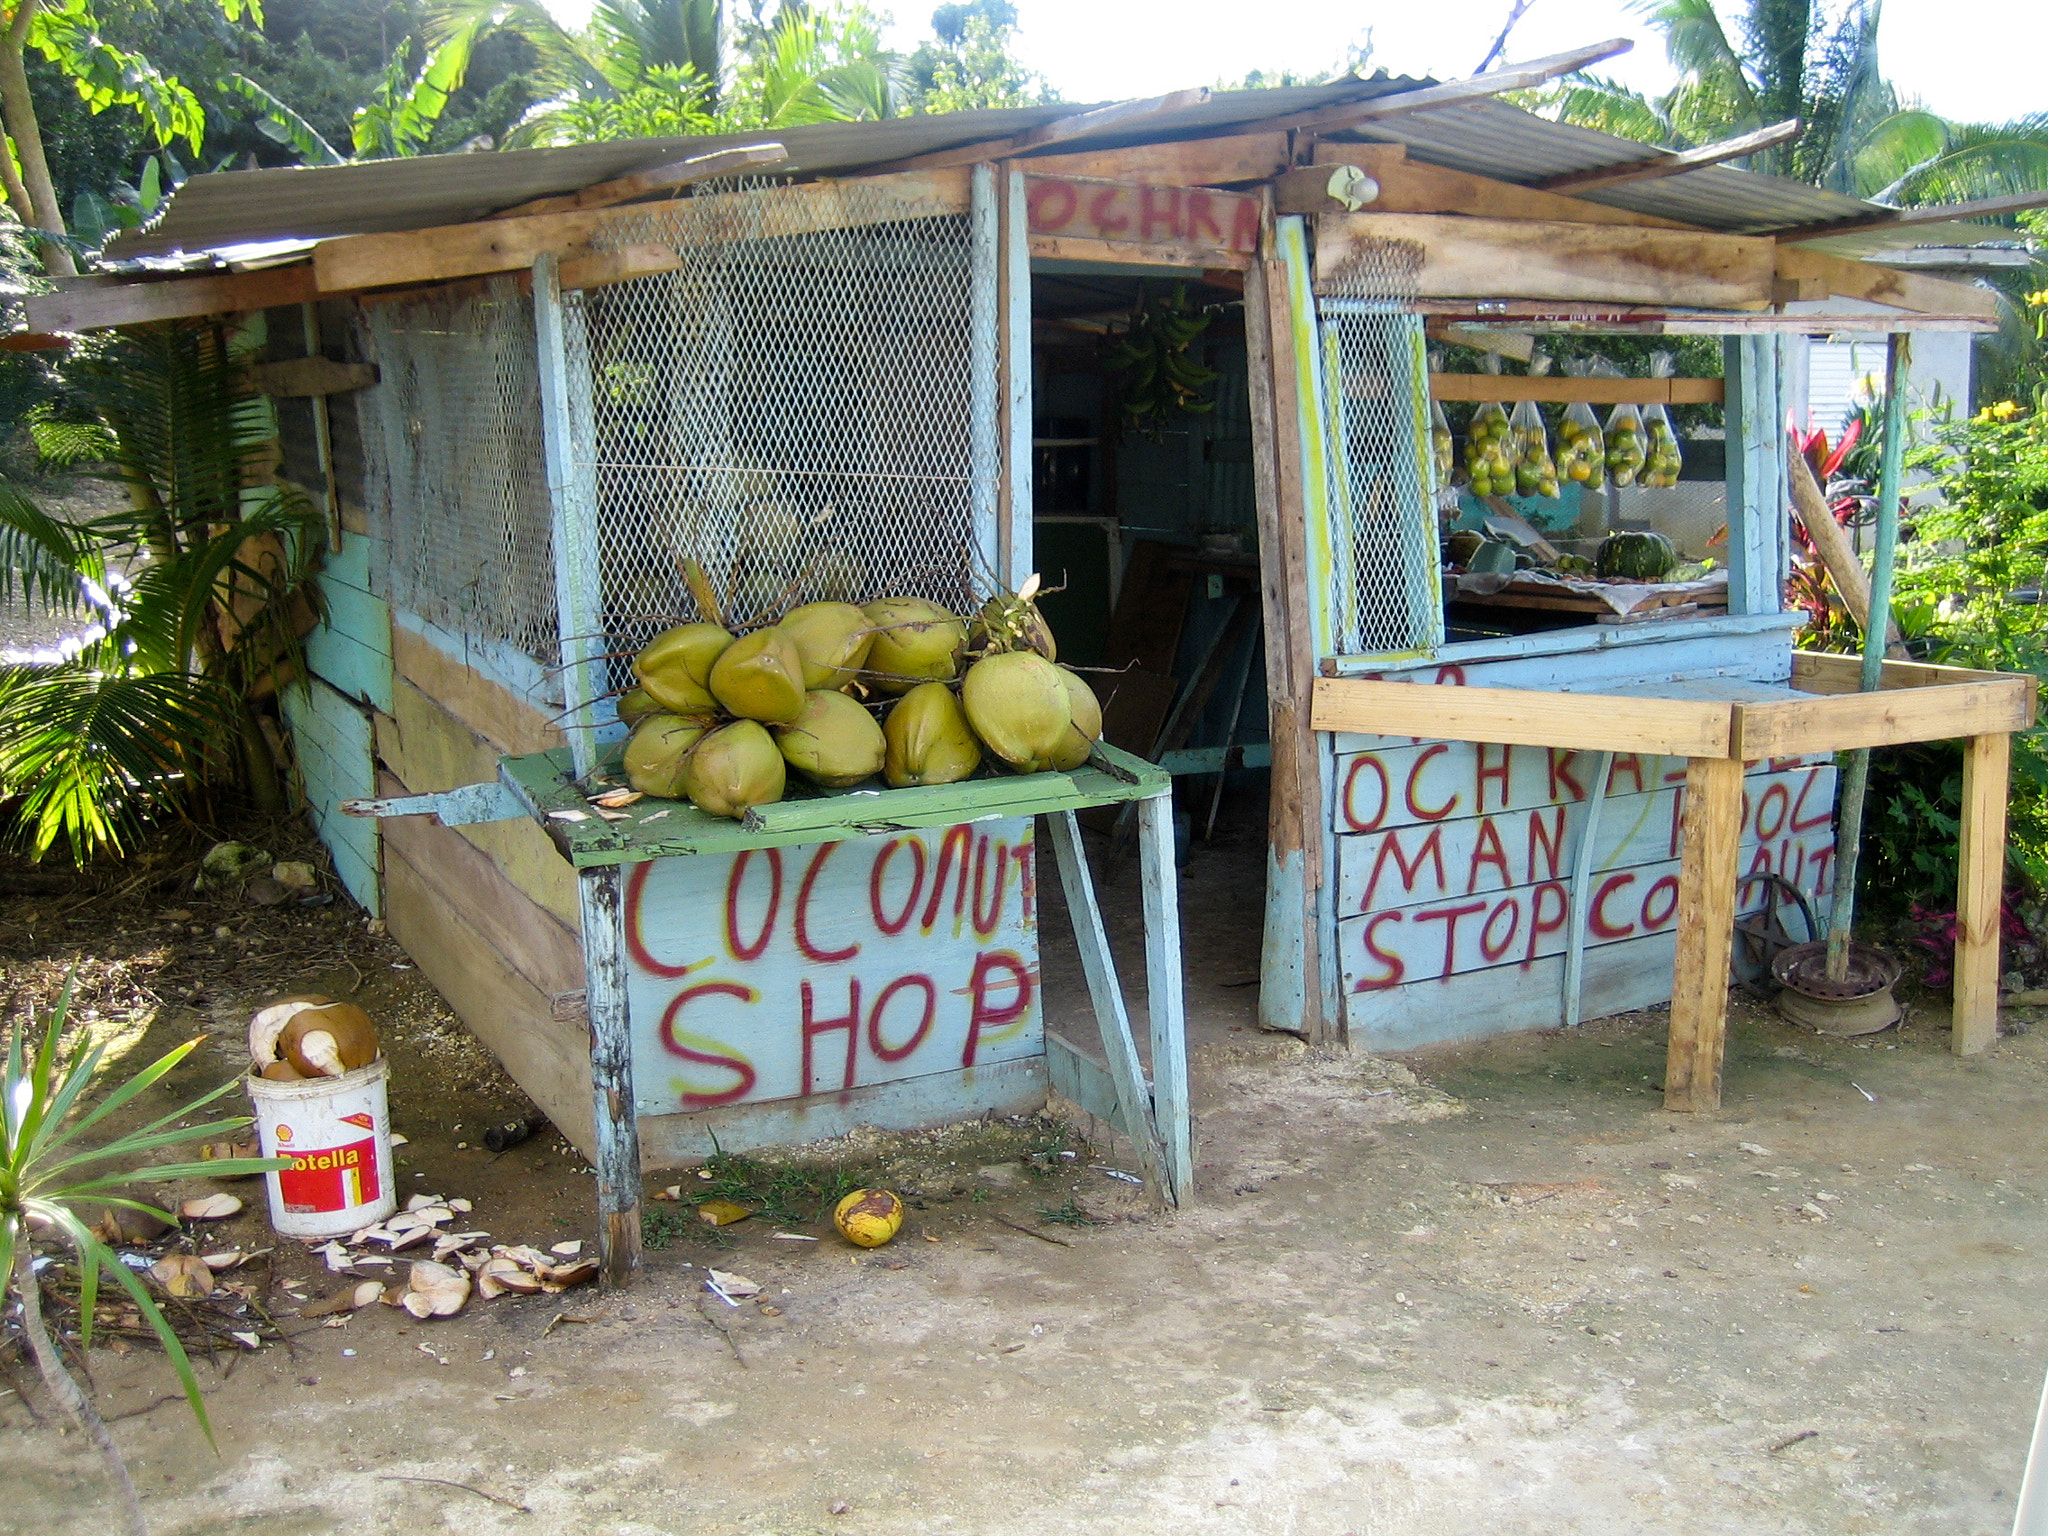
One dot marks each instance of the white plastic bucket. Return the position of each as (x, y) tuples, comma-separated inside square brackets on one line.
[(337, 1132)]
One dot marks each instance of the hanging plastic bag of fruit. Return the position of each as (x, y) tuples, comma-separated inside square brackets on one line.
[(1662, 459), (1581, 446), (1624, 436), (1535, 469), (1489, 451)]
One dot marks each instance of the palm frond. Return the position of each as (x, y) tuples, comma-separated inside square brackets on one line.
[(276, 120), (87, 752), (48, 560)]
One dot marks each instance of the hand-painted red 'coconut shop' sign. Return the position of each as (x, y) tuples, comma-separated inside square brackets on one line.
[(1071, 207)]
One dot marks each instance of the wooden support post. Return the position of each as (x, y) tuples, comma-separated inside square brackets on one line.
[(1163, 1000), (1706, 933), (611, 1074), (569, 437), (1980, 890), (1015, 557), (1757, 551), (1134, 1104), (1290, 986)]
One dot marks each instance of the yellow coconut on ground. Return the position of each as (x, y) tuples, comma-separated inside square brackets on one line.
[(868, 1218)]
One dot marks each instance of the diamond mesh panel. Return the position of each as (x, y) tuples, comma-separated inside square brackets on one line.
[(455, 467), (1382, 500), (793, 410)]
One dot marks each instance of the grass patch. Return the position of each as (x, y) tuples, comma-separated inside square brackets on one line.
[(1072, 1214)]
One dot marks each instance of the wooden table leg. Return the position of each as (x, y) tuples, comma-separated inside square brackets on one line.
[(1165, 1002), (611, 1077), (1098, 966), (1706, 933), (1980, 891)]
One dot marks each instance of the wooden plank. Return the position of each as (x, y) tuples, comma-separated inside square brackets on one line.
[(1635, 973), (1547, 260), (296, 378), (1158, 253), (616, 1119), (1590, 722), (1844, 721), (512, 724), (658, 178), (908, 1104), (1755, 474), (1290, 996), (1706, 932), (1076, 1075), (1596, 319), (331, 737), (1238, 157), (509, 245), (1980, 893), (1831, 543), (1397, 948), (1013, 551), (605, 268), (430, 749), (1826, 672), (1185, 226), (1413, 186), (95, 307), (1872, 284), (1164, 1000), (550, 1060), (1502, 850), (526, 937), (1670, 163), (1139, 1110), (1932, 213), (1563, 389), (569, 436)]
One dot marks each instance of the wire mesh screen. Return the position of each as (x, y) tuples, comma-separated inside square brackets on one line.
[(453, 442), (793, 407), (1376, 377)]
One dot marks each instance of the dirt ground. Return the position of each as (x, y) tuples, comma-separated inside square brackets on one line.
[(1495, 1287)]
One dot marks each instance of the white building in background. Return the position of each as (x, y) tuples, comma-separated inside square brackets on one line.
[(1840, 370)]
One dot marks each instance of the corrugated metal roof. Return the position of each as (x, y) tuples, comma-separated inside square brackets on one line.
[(1488, 138), (1491, 138), (241, 207)]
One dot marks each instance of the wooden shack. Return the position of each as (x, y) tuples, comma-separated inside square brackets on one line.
[(869, 357)]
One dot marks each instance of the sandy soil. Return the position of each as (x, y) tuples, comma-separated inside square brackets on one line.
[(1502, 1290)]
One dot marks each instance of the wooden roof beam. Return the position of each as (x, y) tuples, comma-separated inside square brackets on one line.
[(1675, 164), (656, 178), (92, 306), (1900, 218)]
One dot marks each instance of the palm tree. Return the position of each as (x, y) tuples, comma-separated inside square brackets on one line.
[(153, 699), (655, 68), (1797, 58)]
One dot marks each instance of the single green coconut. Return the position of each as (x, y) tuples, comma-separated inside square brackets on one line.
[(760, 677), (657, 752), (1084, 728), (927, 739), (832, 638), (635, 705), (675, 667), (734, 769), (914, 641), (1019, 707), (834, 742)]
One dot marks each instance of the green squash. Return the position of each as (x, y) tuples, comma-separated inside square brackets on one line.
[(1635, 556)]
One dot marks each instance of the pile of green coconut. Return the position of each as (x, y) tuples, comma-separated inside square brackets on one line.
[(900, 689)]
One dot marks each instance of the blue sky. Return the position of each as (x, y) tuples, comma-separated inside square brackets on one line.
[(1979, 60)]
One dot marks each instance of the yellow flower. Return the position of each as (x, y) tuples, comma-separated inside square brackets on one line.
[(2005, 410), (2038, 299)]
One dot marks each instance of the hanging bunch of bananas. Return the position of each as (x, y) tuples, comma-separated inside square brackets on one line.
[(1153, 361)]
